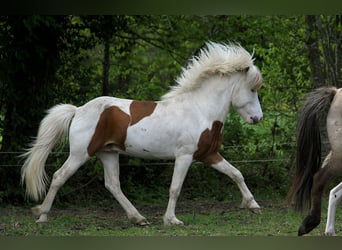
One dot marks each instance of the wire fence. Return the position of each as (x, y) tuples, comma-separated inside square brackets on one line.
[(16, 156), (271, 169)]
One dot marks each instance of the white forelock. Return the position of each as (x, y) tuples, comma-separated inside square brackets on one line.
[(214, 59)]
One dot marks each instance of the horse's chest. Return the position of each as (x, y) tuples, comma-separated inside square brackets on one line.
[(209, 142)]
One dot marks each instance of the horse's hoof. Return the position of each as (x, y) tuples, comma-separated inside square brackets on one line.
[(173, 221), (301, 231), (330, 234), (140, 221), (42, 219), (252, 205), (256, 210), (143, 223), (308, 224)]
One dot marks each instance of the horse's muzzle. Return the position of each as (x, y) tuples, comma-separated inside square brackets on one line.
[(256, 119)]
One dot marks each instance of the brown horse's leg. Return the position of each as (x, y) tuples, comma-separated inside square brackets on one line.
[(321, 178), (314, 218)]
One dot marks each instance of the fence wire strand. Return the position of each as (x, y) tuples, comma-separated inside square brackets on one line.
[(17, 155)]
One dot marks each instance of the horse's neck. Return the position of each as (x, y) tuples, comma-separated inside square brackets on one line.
[(213, 98)]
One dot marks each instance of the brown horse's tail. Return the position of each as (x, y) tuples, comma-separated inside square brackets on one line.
[(308, 154)]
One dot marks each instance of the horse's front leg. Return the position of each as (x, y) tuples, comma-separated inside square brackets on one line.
[(248, 200), (182, 165)]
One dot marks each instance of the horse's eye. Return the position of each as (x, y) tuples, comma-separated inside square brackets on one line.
[(244, 70)]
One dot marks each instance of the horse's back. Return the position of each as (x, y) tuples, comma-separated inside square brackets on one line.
[(101, 103)]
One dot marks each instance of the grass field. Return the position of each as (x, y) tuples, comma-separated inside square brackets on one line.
[(200, 219)]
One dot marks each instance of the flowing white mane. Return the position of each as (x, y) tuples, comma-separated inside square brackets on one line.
[(214, 59)]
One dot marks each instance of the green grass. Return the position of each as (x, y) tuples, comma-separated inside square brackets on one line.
[(200, 219)]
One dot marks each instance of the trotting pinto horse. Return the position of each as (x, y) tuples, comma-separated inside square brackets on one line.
[(185, 125), (310, 178)]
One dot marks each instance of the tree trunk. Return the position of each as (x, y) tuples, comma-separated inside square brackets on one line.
[(324, 44), (329, 28), (106, 66), (314, 54)]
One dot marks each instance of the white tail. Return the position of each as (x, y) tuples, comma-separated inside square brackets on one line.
[(52, 129)]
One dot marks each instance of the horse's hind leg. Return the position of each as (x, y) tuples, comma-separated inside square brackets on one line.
[(69, 167), (331, 168), (334, 198), (112, 182)]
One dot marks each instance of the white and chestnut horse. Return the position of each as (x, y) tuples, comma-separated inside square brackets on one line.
[(185, 125), (310, 178)]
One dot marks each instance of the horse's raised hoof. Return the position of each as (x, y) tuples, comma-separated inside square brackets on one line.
[(252, 205), (309, 223)]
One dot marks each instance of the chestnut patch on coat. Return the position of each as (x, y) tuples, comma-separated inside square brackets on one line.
[(141, 109), (111, 129), (209, 144), (113, 124)]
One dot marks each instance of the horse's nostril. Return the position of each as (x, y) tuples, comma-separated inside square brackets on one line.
[(256, 119)]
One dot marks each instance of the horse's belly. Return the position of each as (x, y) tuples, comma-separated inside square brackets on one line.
[(149, 144), (146, 154)]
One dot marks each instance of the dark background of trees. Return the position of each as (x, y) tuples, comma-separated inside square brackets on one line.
[(46, 60)]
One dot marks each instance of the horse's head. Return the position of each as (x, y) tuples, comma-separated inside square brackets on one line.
[(245, 97)]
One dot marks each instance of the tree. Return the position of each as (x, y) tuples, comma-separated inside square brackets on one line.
[(325, 49), (29, 52), (30, 47), (105, 28)]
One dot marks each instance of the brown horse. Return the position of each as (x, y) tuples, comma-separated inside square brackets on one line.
[(310, 178)]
